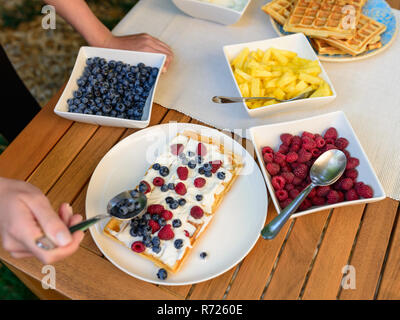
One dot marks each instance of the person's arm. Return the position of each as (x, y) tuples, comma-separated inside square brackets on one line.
[(26, 215), (79, 15)]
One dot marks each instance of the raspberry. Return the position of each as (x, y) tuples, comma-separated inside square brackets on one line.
[(346, 184), (341, 196), (289, 187), (201, 149), (281, 195), (308, 143), (138, 246), (304, 156), (273, 168), (166, 214), (283, 149), (351, 195), (331, 133), (312, 194), (292, 157), (329, 146), (337, 185), (286, 168), (199, 182), (196, 212), (268, 157), (352, 163), (297, 181), (288, 176), (318, 201), (267, 150), (296, 140), (180, 188), (155, 209), (216, 164), (278, 182), (301, 171), (323, 191), (182, 172), (346, 153), (154, 226), (186, 233), (294, 193), (283, 204), (158, 181), (279, 158), (320, 142), (342, 143), (305, 205), (295, 147), (286, 138), (177, 148), (308, 135), (166, 233), (315, 153), (364, 190), (351, 173), (332, 197)]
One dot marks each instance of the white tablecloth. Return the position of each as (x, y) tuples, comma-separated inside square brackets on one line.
[(368, 91)]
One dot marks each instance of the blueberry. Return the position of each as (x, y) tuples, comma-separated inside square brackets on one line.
[(169, 199), (162, 274), (199, 197), (199, 159), (201, 170), (207, 166), (134, 223), (221, 175), (191, 154), (155, 217), (147, 216), (156, 241), (178, 243), (162, 222), (171, 186), (156, 249), (192, 164), (154, 71), (176, 223), (133, 232), (174, 204), (164, 171), (142, 187), (181, 202), (164, 188), (156, 166), (203, 255), (208, 174)]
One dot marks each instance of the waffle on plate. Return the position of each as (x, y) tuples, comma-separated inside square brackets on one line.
[(176, 175)]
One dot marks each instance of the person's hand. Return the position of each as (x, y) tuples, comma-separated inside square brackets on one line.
[(26, 214), (140, 42)]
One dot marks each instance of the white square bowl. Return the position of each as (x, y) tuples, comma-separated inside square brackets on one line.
[(269, 135), (210, 11), (130, 57), (296, 43)]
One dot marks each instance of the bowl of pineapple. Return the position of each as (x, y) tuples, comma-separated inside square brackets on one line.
[(282, 68)]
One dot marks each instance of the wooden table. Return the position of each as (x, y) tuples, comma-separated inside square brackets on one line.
[(305, 261)]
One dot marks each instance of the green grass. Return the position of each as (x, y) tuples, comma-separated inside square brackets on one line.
[(11, 288)]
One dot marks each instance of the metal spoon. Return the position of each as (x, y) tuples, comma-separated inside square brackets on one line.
[(325, 171), (221, 99), (124, 206)]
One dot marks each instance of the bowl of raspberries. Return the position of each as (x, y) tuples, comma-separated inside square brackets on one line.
[(111, 87), (286, 151)]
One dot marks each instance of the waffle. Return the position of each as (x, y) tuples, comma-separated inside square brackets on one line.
[(323, 18), (192, 226), (279, 9), (367, 30)]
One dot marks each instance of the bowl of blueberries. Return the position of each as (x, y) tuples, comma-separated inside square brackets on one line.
[(111, 87)]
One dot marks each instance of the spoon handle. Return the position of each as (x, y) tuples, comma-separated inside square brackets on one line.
[(272, 229), (221, 99), (45, 243)]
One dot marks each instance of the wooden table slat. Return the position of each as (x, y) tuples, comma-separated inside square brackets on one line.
[(370, 248)]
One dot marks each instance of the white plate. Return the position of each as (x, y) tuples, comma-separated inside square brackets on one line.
[(227, 240), (269, 135), (295, 42)]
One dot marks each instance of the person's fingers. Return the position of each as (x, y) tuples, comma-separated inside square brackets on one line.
[(21, 254), (75, 219), (65, 212), (49, 221)]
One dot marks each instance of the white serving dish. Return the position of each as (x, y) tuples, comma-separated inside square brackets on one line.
[(269, 135), (210, 11), (130, 57), (297, 43)]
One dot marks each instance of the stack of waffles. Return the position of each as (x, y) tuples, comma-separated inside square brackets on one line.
[(334, 26)]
